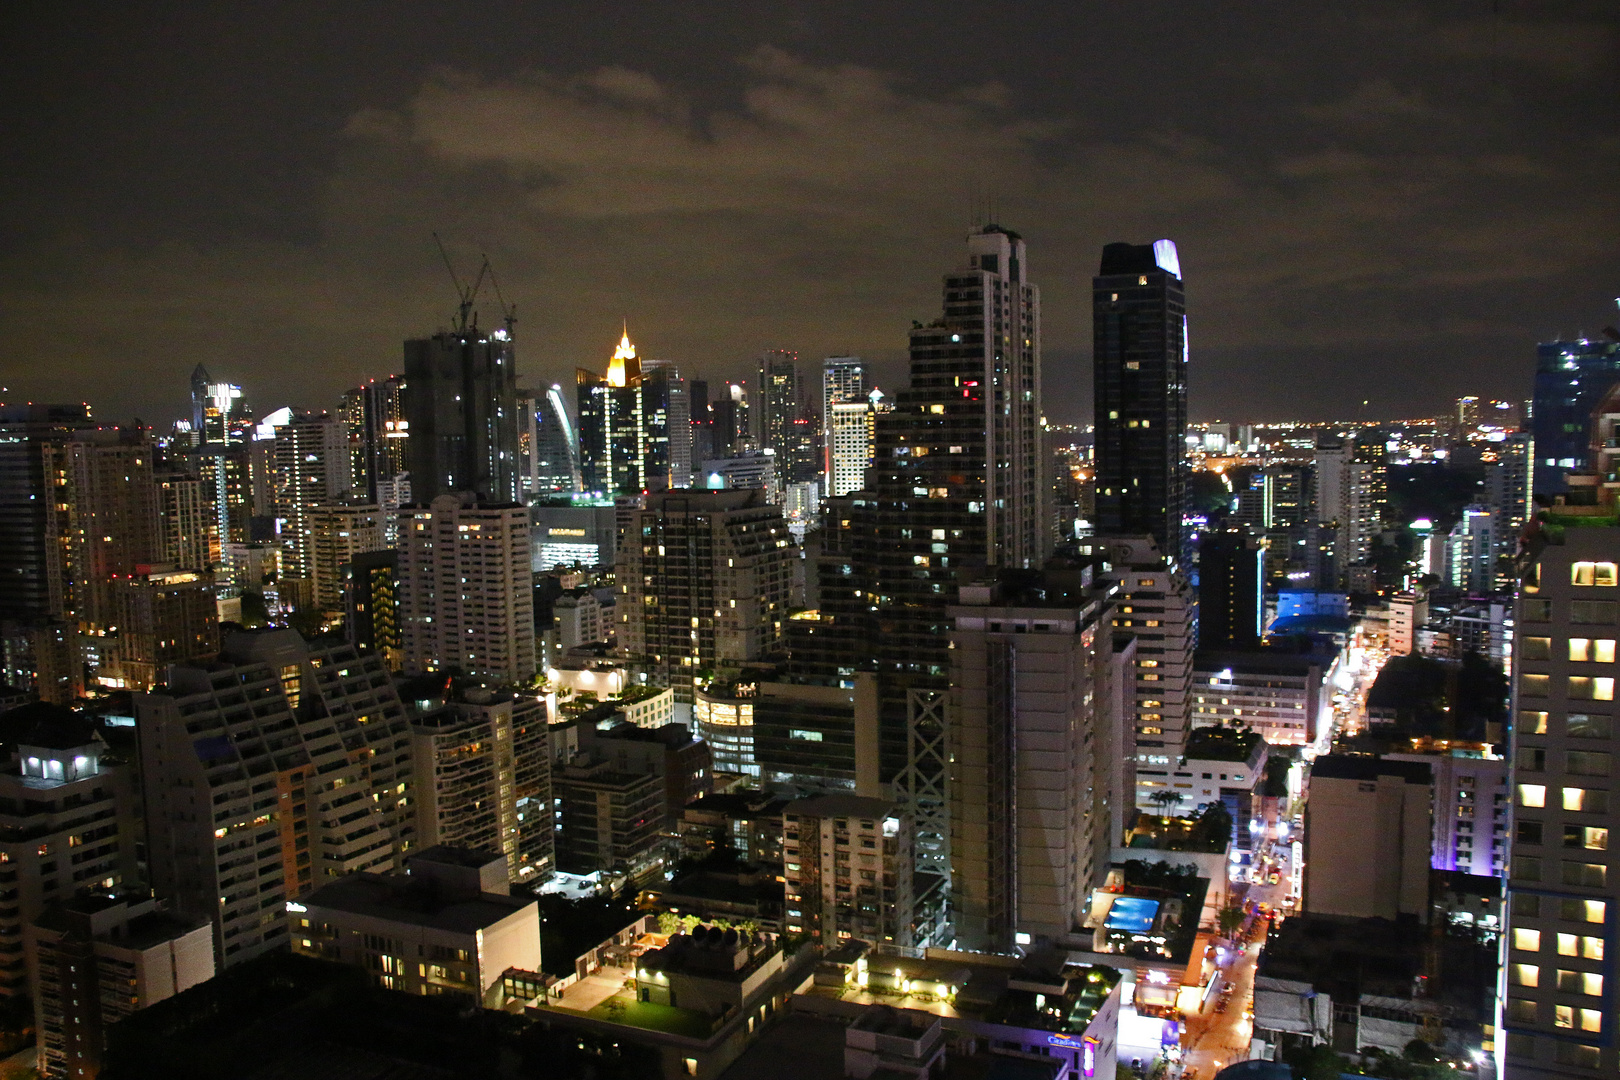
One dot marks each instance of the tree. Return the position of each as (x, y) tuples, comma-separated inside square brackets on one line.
[(1166, 800), (1229, 918), (1316, 1062)]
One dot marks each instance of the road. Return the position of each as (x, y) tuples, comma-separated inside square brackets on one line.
[(1216, 1038)]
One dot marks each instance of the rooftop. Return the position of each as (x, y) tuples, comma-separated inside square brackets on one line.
[(1349, 767), (1221, 744), (416, 902), (832, 806)]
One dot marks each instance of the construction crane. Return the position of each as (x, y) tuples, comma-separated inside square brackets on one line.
[(508, 311), (467, 294)]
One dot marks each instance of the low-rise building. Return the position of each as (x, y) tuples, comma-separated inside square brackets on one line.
[(448, 925), (1273, 691), (96, 958), (1367, 837), (747, 822)]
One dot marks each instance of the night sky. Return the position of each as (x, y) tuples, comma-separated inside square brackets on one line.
[(1385, 201)]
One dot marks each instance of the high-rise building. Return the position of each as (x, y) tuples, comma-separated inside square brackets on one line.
[(277, 769), (1040, 731), (550, 454), (67, 823), (337, 533), (466, 593), (190, 530), (98, 957), (224, 429), (460, 405), (103, 521), (784, 416), (312, 468), (703, 579), (30, 574), (635, 425), (1508, 491), (1231, 587), (1572, 378), (371, 604), (1156, 607), (848, 870), (1471, 551), (1139, 364), (373, 417), (1351, 490), (957, 492), (468, 747), (166, 615), (848, 412), (1562, 900)]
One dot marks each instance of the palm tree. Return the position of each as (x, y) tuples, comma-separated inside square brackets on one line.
[(1167, 800)]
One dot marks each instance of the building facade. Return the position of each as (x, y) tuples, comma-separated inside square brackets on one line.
[(847, 862)]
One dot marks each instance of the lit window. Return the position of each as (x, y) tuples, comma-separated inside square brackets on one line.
[(1524, 974), (1593, 573), (1532, 723), (1530, 940), (1568, 944), (1535, 795)]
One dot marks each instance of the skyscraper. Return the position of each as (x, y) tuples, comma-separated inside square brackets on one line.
[(312, 468), (847, 423), (1231, 584), (1351, 489), (1572, 378), (460, 404), (785, 417), (26, 557), (550, 453), (379, 434), (956, 495), (635, 425), (1139, 364)]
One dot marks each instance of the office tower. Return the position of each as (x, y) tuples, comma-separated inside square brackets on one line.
[(1039, 732), (371, 605), (1368, 835), (97, 958), (581, 531), (30, 577), (1139, 364), (373, 417), (1231, 588), (1561, 897), (67, 823), (1350, 493), (1156, 607), (848, 870), (276, 769), (165, 615), (190, 531), (337, 533), (223, 428), (460, 405), (732, 426), (466, 593), (635, 425), (449, 925), (703, 585), (1471, 551), (312, 468), (754, 469), (1572, 377), (784, 416), (550, 462)]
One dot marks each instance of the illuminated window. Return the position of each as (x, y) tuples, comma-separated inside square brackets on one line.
[(1593, 573), (1524, 974), (1532, 723), (1591, 1020), (1582, 688), (1585, 800), (1592, 948), (1563, 1016), (1535, 795), (1530, 940), (1582, 726)]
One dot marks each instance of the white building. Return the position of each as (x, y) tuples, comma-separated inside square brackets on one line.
[(1276, 693), (1471, 551), (1470, 812), (466, 592), (847, 866), (337, 533), (448, 926)]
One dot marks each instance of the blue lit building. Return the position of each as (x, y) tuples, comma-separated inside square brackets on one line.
[(1572, 378)]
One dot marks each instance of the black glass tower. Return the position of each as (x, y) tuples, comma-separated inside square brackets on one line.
[(1139, 323)]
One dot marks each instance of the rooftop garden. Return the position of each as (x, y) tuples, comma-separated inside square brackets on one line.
[(1221, 744)]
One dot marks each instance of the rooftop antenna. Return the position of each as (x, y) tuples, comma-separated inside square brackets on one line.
[(508, 311), (466, 294)]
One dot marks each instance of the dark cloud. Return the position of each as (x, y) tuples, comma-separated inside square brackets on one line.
[(1378, 202)]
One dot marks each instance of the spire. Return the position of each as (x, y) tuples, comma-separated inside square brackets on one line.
[(624, 369)]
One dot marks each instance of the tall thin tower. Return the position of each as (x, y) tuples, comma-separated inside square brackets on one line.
[(1139, 359)]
